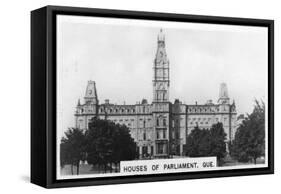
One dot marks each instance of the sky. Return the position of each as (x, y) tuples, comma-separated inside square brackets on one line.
[(118, 55)]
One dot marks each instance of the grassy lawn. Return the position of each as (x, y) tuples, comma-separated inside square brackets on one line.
[(83, 169), (236, 163)]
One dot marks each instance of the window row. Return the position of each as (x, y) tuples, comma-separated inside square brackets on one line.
[(123, 110), (203, 109)]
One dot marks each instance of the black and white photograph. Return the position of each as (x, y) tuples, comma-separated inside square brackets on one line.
[(139, 97)]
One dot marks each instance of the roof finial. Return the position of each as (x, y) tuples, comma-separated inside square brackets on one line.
[(223, 94), (161, 36), (223, 91)]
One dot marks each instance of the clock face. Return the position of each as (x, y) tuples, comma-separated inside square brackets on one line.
[(161, 86)]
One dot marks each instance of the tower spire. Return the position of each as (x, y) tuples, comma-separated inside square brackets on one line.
[(161, 36), (161, 79), (161, 54)]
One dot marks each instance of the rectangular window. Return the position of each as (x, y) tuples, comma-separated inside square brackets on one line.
[(144, 150), (177, 135), (161, 148), (151, 150)]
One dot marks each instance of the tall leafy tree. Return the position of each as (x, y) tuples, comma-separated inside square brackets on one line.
[(204, 142), (72, 148), (124, 147), (217, 141), (249, 142), (198, 143), (108, 143)]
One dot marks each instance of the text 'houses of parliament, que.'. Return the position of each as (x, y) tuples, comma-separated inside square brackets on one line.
[(160, 128)]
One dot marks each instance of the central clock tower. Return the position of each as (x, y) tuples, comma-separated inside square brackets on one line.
[(161, 105)]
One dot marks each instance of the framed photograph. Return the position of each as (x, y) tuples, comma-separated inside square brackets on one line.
[(125, 96)]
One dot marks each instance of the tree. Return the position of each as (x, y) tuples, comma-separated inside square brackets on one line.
[(72, 148), (197, 143), (204, 142), (217, 141), (108, 143), (124, 147), (249, 142)]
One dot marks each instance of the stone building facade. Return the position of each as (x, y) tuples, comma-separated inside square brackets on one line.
[(159, 128)]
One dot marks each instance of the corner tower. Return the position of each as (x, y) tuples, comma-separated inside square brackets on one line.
[(89, 109)]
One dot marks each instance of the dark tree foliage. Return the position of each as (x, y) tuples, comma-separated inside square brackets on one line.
[(72, 148), (204, 142), (217, 141), (197, 143), (249, 142), (109, 143)]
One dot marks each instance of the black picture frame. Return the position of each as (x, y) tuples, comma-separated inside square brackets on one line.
[(43, 95)]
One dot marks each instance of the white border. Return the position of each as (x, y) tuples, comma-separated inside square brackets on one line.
[(154, 24)]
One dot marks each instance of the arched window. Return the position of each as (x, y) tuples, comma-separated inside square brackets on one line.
[(144, 124), (164, 122), (143, 109), (157, 122), (144, 136)]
